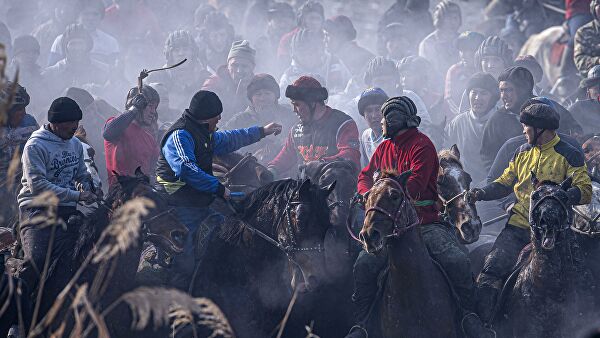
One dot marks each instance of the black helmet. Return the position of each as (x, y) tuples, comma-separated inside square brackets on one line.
[(442, 9), (494, 46), (180, 38), (20, 99)]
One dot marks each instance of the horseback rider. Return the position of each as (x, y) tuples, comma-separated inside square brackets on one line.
[(406, 148), (587, 42), (586, 112), (184, 170), (323, 133), (53, 160), (550, 159)]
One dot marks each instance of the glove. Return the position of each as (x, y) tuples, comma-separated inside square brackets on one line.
[(474, 195), (139, 102)]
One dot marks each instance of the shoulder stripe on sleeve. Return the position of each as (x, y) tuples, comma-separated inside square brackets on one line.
[(179, 147)]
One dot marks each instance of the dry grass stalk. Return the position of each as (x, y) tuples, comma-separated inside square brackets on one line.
[(309, 331), (211, 316), (8, 295), (124, 229), (287, 313)]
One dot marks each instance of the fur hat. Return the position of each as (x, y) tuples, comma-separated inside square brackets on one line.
[(306, 89), (540, 116)]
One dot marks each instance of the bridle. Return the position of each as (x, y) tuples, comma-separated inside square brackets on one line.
[(533, 206), (446, 203), (398, 215)]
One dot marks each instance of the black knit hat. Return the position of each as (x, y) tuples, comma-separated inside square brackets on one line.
[(399, 113), (205, 105), (64, 109), (263, 81), (521, 77), (487, 82), (540, 116)]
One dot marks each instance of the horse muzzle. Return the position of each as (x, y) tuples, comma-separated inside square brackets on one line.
[(373, 241), (469, 231), (172, 242), (548, 239)]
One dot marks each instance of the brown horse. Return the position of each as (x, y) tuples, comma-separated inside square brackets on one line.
[(453, 181), (416, 301)]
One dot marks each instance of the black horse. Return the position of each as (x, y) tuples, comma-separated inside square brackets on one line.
[(551, 291), (110, 279), (274, 246)]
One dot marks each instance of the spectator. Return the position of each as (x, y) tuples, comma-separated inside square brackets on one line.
[(341, 42), (438, 47)]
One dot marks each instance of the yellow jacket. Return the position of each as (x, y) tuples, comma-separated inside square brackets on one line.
[(553, 161)]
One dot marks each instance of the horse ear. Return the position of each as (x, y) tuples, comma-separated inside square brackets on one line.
[(328, 189), (120, 179), (139, 172), (534, 179), (454, 150), (566, 184), (403, 178), (304, 190)]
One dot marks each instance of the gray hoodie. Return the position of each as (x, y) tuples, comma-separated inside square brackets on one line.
[(51, 163)]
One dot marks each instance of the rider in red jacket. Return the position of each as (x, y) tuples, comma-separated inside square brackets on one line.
[(406, 148)]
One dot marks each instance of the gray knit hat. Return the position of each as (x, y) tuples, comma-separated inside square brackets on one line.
[(399, 113), (242, 49)]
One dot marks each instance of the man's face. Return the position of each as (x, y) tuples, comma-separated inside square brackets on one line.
[(179, 53), (302, 110), (240, 69), (412, 81), (480, 100), (594, 92), (509, 95), (77, 50), (389, 83), (27, 57), (90, 18), (65, 130), (313, 21), (396, 48), (218, 39), (282, 24), (149, 115), (529, 133), (383, 126), (263, 99), (493, 65), (212, 123), (15, 118), (373, 116), (451, 22)]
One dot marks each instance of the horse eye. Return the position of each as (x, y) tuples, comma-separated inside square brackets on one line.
[(394, 195)]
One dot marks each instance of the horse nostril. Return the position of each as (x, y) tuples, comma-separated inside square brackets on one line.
[(178, 236)]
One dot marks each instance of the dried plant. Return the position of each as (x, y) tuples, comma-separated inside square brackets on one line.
[(124, 229), (211, 316)]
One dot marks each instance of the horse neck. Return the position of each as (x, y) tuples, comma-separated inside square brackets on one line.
[(409, 261), (552, 266)]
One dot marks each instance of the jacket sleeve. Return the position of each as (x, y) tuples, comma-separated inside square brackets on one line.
[(422, 170), (34, 171), (179, 153), (83, 176), (582, 53), (227, 141), (509, 176), (115, 126), (286, 158), (347, 143), (581, 188), (365, 177)]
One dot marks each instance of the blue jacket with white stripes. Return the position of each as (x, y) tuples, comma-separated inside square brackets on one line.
[(185, 167)]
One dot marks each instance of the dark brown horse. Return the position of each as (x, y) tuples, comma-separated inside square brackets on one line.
[(551, 291), (453, 181), (274, 245), (416, 301)]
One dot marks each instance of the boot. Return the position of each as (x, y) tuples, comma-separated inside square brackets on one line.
[(473, 327), (486, 302)]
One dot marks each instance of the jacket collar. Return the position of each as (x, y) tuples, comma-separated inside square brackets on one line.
[(405, 137), (550, 144)]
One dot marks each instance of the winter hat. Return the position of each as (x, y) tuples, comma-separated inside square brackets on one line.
[(262, 81), (369, 97), (310, 7), (150, 93), (493, 46), (540, 116), (520, 77), (26, 43), (76, 31), (394, 32), (205, 105), (487, 82), (468, 41), (20, 97), (306, 89), (280, 9), (399, 113), (308, 41), (341, 25), (442, 9), (529, 62), (241, 49), (593, 78), (64, 109), (180, 38), (81, 96), (414, 64), (379, 66)]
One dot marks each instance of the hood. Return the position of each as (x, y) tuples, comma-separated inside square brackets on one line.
[(43, 134)]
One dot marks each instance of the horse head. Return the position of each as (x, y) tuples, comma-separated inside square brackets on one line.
[(241, 172), (302, 231), (161, 226), (389, 212), (452, 182), (549, 213)]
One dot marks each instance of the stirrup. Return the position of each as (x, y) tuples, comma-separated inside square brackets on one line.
[(360, 328), (485, 325)]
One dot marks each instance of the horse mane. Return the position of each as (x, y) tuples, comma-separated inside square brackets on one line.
[(446, 156)]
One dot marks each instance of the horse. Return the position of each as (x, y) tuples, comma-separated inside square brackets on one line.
[(452, 182), (416, 298), (551, 287), (273, 245), (110, 279)]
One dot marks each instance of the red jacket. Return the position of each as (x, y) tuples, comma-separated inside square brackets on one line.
[(411, 150), (137, 147), (574, 7)]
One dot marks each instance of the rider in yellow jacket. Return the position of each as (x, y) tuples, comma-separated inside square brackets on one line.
[(550, 159)]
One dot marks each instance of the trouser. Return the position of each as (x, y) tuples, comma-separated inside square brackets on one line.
[(443, 247), (200, 232)]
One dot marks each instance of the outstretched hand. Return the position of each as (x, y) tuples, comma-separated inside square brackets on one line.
[(272, 128)]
